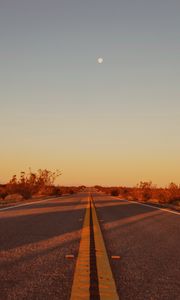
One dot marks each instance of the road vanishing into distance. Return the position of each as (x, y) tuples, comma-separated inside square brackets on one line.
[(49, 247)]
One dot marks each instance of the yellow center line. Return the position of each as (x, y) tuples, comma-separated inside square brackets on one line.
[(81, 282), (107, 287)]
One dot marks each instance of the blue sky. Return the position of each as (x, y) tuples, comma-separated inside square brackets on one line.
[(114, 123)]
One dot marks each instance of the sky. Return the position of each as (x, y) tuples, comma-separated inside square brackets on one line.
[(114, 123)]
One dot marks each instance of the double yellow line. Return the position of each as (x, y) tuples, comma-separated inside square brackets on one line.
[(82, 280)]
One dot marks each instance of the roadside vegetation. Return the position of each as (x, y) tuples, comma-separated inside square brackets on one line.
[(147, 192), (34, 185)]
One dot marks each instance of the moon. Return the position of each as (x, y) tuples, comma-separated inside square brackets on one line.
[(100, 60)]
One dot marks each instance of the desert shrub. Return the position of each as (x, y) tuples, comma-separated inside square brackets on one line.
[(71, 191), (3, 191), (3, 194), (124, 191), (174, 200), (115, 192), (135, 193), (25, 192), (146, 195), (81, 187), (98, 187), (32, 183), (174, 193), (13, 197), (145, 189), (162, 197), (53, 191)]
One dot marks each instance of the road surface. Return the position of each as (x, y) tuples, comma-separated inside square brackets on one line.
[(35, 239), (148, 242)]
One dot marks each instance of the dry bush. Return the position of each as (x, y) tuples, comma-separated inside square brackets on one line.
[(3, 191), (114, 192), (145, 191), (52, 191), (32, 183), (71, 189), (13, 197)]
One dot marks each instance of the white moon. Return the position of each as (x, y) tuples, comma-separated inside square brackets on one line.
[(100, 60)]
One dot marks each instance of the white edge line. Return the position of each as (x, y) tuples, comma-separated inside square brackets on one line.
[(155, 207), (143, 204), (26, 204)]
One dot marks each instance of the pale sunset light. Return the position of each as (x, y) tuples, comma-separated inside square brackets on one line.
[(113, 125)]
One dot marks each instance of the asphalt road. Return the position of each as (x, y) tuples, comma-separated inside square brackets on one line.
[(35, 239), (148, 243)]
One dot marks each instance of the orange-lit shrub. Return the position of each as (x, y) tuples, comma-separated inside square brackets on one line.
[(115, 192), (146, 191), (33, 183)]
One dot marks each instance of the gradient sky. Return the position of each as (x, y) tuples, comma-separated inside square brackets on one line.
[(112, 124)]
